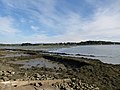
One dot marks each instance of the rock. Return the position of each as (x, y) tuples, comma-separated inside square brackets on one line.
[(37, 75), (43, 75), (13, 73), (73, 79), (19, 79), (32, 78), (1, 80), (52, 78), (4, 73), (37, 78), (96, 88), (37, 84), (48, 78), (80, 83), (5, 79), (25, 75)]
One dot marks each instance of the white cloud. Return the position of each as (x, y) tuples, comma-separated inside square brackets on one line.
[(34, 28), (7, 26), (104, 23)]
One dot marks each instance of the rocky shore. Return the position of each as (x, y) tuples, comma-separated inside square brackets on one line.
[(74, 73)]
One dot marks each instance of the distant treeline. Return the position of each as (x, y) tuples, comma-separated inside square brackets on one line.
[(98, 43), (74, 43), (67, 43), (10, 44)]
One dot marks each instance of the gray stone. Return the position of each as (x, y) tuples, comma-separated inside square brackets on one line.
[(96, 88), (5, 79), (38, 75), (13, 73), (37, 85)]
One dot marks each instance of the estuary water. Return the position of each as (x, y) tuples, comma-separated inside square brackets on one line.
[(106, 53)]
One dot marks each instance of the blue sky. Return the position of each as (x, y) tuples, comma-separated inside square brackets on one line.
[(39, 21)]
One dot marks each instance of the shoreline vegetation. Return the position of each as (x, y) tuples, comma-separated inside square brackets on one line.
[(66, 43), (70, 73)]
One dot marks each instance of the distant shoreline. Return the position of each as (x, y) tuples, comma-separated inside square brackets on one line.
[(66, 43)]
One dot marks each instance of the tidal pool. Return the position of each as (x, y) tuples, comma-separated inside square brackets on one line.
[(39, 62)]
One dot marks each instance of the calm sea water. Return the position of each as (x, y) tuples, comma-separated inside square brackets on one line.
[(105, 53)]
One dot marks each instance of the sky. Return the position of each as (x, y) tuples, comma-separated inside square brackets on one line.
[(45, 21)]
